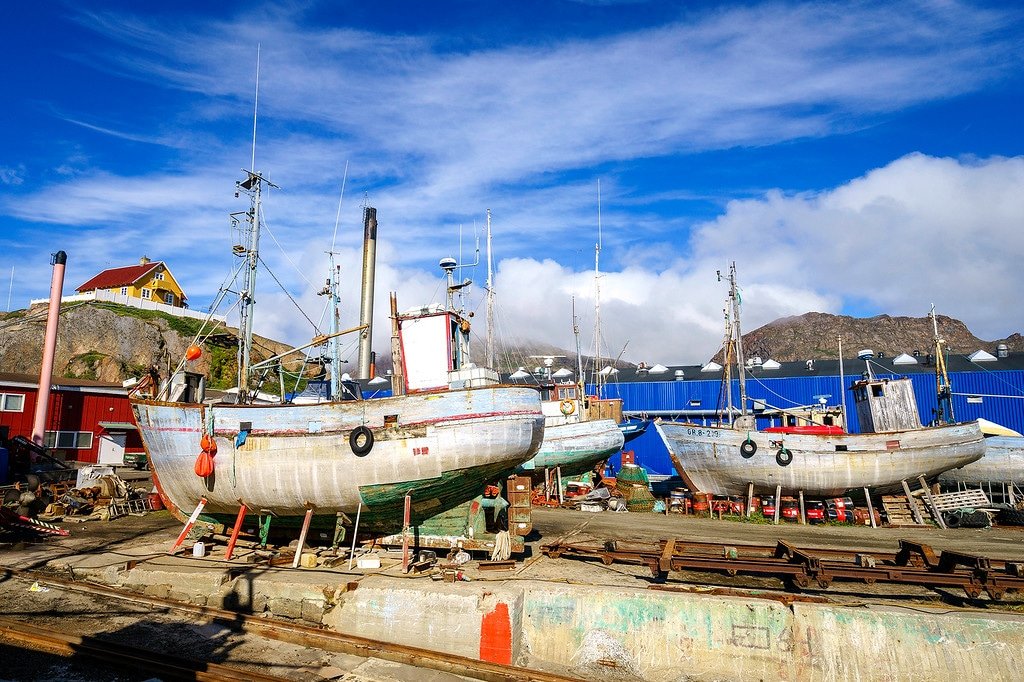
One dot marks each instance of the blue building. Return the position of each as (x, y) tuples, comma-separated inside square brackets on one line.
[(983, 386)]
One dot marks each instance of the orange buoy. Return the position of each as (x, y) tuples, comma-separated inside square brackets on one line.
[(193, 353), (204, 464), (208, 444)]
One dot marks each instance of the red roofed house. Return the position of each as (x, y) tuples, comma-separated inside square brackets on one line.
[(148, 281)]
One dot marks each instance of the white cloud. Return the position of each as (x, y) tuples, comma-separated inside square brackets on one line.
[(918, 231), (12, 176)]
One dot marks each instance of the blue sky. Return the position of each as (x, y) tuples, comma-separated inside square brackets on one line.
[(854, 158)]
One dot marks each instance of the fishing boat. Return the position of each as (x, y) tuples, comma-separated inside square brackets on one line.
[(732, 455), (438, 440), (580, 431), (1003, 463)]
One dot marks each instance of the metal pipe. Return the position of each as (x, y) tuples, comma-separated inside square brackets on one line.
[(366, 307), (58, 261)]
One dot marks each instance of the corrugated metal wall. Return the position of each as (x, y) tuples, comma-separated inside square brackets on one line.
[(996, 396)]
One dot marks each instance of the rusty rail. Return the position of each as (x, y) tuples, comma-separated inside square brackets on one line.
[(914, 564), (113, 653)]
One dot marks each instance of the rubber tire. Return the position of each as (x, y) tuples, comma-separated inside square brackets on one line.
[(952, 520), (361, 441), (783, 457), (748, 449), (1011, 517)]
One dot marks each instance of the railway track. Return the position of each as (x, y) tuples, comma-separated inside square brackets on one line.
[(154, 663), (301, 635), (914, 564)]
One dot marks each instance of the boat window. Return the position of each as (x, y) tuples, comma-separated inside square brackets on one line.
[(876, 390), (840, 448)]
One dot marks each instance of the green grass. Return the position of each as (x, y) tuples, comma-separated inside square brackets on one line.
[(186, 326)]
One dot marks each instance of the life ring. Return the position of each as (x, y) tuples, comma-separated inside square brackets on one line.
[(748, 448), (783, 457), (361, 441), (567, 407)]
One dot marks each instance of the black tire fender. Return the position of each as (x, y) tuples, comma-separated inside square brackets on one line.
[(361, 441), (952, 519), (748, 448), (783, 457)]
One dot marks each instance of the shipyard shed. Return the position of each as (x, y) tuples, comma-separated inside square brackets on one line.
[(991, 389), (87, 421)]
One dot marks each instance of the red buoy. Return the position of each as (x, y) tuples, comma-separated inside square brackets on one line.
[(193, 353)]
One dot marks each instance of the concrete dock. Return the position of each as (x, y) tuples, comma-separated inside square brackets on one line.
[(586, 619)]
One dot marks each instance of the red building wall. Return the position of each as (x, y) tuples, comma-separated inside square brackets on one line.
[(73, 408)]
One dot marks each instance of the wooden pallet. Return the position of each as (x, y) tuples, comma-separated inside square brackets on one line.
[(897, 510), (970, 499)]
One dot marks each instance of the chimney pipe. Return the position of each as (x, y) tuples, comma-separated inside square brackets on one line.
[(58, 262), (366, 308)]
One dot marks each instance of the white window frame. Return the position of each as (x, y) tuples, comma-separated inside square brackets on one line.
[(146, 294), (169, 298), (58, 440), (4, 405), (159, 276), (124, 291)]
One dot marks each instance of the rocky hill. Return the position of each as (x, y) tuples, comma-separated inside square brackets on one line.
[(108, 342), (112, 343), (816, 336)]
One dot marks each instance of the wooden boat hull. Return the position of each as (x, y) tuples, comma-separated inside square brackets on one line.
[(576, 447), (1003, 463), (709, 458), (440, 447)]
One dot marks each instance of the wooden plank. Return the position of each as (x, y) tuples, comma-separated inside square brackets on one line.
[(913, 504), (936, 514)]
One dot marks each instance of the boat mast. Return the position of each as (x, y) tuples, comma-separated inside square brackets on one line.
[(490, 297), (943, 390), (333, 293), (842, 384), (728, 348), (734, 298), (580, 379), (597, 298), (252, 186)]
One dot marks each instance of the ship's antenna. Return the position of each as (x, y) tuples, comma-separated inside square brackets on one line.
[(255, 106)]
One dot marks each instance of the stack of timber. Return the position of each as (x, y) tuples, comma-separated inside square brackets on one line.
[(899, 512)]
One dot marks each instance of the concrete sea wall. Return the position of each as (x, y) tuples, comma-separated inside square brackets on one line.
[(620, 633)]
